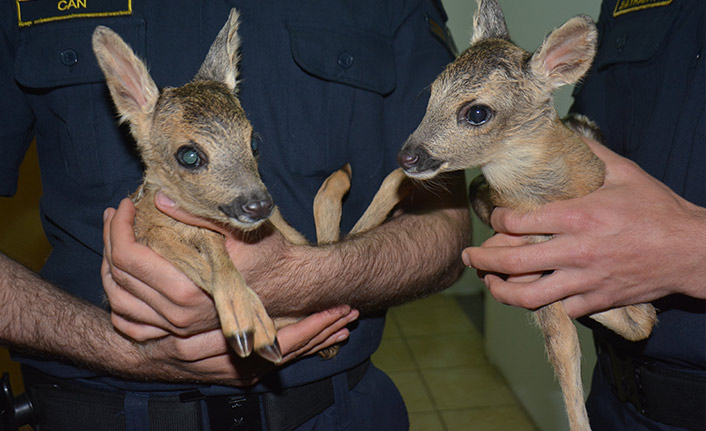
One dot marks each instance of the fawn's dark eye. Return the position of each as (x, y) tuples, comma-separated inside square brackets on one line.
[(190, 157), (475, 115), (255, 144)]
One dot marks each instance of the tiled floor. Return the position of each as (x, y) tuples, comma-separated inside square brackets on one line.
[(435, 355)]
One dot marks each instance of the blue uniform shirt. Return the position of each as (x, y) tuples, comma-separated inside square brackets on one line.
[(646, 92), (324, 83)]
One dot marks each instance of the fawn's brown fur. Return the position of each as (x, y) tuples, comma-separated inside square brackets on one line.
[(196, 145), (492, 108)]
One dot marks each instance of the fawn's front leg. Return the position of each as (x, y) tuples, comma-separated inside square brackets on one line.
[(202, 256)]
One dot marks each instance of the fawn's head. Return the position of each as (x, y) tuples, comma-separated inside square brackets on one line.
[(195, 141), (495, 93)]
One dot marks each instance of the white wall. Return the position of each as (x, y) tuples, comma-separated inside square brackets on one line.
[(513, 343)]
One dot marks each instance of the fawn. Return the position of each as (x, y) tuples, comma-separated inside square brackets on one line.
[(199, 149), (492, 108)]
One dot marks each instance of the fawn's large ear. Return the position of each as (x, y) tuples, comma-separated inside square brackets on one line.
[(489, 22), (133, 90), (221, 63), (566, 54)]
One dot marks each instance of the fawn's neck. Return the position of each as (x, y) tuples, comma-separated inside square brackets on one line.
[(550, 164)]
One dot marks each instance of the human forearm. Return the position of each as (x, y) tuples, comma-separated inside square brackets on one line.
[(410, 256), (687, 255), (40, 318), (391, 266)]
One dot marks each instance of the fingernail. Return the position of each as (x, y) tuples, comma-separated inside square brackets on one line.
[(105, 215), (353, 315), (466, 259), (163, 200), (342, 337)]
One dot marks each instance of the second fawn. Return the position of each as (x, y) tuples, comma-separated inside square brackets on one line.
[(492, 108)]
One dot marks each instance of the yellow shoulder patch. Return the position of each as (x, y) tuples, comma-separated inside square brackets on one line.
[(30, 12), (442, 33), (627, 6)]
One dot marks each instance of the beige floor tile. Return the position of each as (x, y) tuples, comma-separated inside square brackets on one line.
[(502, 418), (448, 350), (436, 358), (392, 327), (465, 387), (437, 314), (428, 421), (414, 393), (394, 355)]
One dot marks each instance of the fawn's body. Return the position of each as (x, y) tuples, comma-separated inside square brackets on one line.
[(199, 149), (492, 108)]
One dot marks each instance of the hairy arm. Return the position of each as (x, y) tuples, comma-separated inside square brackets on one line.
[(410, 256), (38, 318)]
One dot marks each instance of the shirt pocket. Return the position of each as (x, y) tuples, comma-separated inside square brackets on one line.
[(340, 80), (635, 39), (56, 65), (630, 47)]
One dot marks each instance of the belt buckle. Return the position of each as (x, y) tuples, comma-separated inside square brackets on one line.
[(234, 412)]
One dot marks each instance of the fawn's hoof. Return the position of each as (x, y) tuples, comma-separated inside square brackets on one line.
[(246, 325), (242, 343), (272, 353)]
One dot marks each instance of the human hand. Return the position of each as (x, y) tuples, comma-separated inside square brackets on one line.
[(206, 357), (152, 301), (149, 297), (263, 256), (631, 241)]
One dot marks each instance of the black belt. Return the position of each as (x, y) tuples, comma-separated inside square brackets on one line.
[(671, 396), (62, 404)]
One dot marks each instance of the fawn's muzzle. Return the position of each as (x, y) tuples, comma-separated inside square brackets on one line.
[(249, 209), (415, 160)]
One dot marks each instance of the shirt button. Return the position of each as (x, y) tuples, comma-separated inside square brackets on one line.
[(345, 60), (69, 57), (620, 41)]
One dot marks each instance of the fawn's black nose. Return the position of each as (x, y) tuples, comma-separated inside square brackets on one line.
[(416, 160), (257, 209), (407, 161), (249, 209)]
